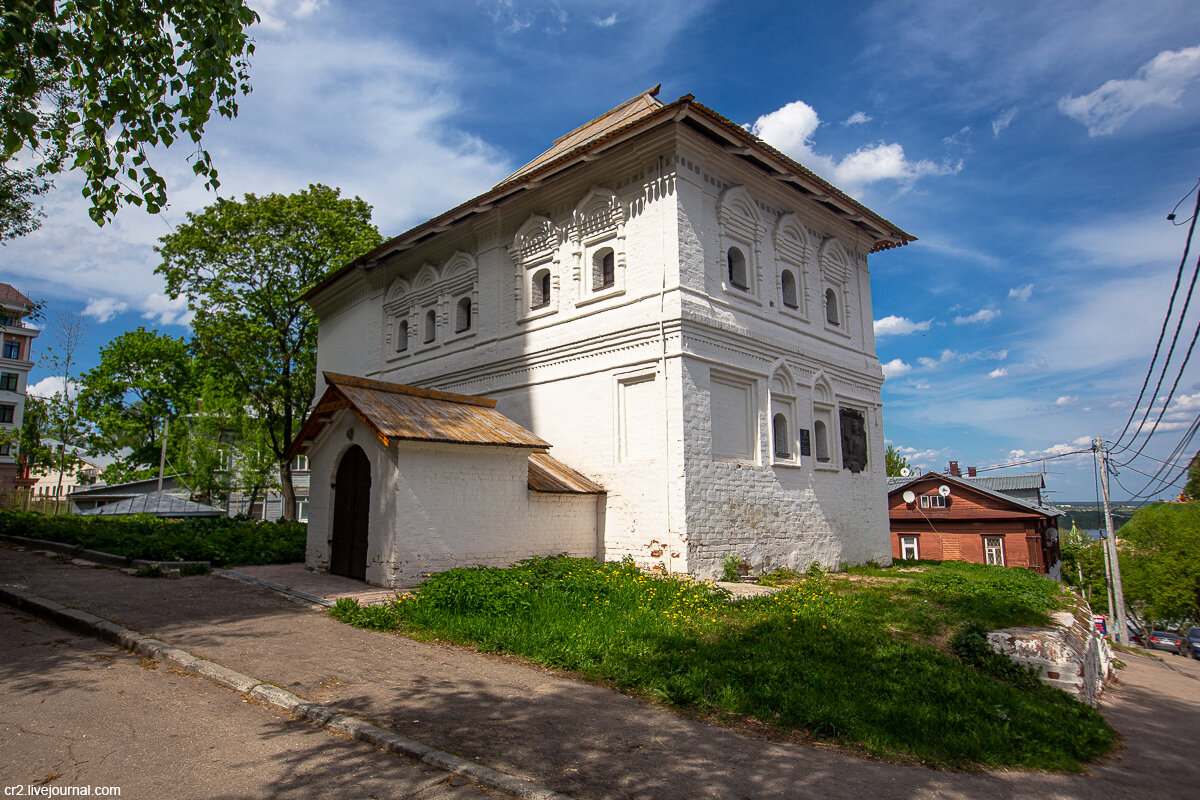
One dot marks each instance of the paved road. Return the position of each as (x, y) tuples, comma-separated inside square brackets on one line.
[(77, 712), (583, 740)]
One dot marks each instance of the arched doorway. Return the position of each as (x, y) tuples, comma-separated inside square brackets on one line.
[(351, 515)]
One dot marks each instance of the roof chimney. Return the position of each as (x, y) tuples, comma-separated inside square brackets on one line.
[(972, 472), (955, 472)]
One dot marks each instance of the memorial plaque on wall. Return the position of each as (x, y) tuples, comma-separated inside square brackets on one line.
[(854, 440), (805, 442)]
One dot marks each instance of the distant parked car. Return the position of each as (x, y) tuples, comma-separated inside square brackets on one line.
[(1193, 641), (1165, 640)]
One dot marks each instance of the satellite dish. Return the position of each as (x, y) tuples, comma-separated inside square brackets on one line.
[(909, 497), (944, 490), (905, 472)]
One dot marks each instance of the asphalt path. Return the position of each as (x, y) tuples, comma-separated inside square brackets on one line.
[(80, 713)]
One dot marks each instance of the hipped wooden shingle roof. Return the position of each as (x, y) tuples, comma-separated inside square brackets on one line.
[(396, 412)]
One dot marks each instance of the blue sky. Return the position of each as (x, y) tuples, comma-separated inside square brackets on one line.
[(1034, 148)]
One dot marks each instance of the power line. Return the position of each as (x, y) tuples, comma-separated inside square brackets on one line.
[(1166, 321), (1033, 460)]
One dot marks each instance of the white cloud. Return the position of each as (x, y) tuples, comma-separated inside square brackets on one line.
[(920, 385), (166, 310), (998, 372), (1161, 81), (791, 130), (1081, 443), (931, 363), (105, 308), (1003, 120), (48, 387), (1124, 241), (274, 14), (857, 118), (980, 316), (895, 368), (606, 22), (899, 326), (1022, 293), (1066, 400)]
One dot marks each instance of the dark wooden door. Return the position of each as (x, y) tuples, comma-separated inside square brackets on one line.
[(351, 515)]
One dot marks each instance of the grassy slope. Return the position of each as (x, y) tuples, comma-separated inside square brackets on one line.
[(857, 660)]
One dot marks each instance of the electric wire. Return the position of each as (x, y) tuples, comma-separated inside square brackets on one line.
[(1032, 460), (1166, 321), (1171, 216)]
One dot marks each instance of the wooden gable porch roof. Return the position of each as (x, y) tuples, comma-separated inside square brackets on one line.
[(396, 412)]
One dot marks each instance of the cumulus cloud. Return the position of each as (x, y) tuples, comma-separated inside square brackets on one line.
[(274, 14), (48, 387), (791, 130), (166, 310), (895, 368), (606, 22), (1003, 121), (899, 326), (1083, 443), (1021, 293), (998, 372), (1161, 81), (105, 308), (952, 355), (857, 118), (980, 316), (1066, 400)]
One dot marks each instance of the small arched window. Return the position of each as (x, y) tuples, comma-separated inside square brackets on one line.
[(540, 294), (462, 319), (604, 269), (788, 281), (402, 336), (737, 268), (831, 307), (430, 326), (822, 437), (779, 432)]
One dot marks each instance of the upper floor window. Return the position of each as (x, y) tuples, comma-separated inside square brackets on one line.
[(12, 349), (430, 326), (831, 307), (402, 336), (540, 289), (736, 261), (6, 413), (822, 440), (604, 269), (933, 501), (462, 318), (788, 285), (779, 433), (300, 464), (8, 381)]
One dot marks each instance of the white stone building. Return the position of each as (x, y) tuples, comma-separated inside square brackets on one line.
[(682, 312), (16, 360)]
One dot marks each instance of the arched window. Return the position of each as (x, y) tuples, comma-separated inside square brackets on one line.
[(402, 336), (463, 316), (831, 307), (779, 431), (822, 437), (788, 281), (430, 326), (604, 269), (737, 268), (540, 296)]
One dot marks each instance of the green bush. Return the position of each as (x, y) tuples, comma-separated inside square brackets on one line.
[(221, 541)]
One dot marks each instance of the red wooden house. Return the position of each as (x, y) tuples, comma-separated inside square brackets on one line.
[(954, 518)]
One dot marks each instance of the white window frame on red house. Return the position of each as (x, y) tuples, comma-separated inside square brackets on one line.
[(907, 542), (993, 550)]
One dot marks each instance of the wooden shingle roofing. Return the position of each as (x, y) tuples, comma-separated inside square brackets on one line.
[(396, 412)]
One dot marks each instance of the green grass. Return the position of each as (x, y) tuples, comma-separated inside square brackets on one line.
[(865, 663), (220, 541)]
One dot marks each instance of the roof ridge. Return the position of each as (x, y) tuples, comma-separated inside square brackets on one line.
[(652, 93)]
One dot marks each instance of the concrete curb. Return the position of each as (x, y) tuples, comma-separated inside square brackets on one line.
[(107, 559), (271, 695)]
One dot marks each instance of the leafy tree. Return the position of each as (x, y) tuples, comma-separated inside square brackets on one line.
[(1160, 562), (96, 85), (1191, 490), (1083, 566), (242, 266), (894, 461), (143, 378)]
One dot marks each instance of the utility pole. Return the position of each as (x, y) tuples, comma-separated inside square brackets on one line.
[(1118, 600), (162, 454)]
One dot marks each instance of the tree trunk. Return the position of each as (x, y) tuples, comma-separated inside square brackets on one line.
[(289, 491)]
